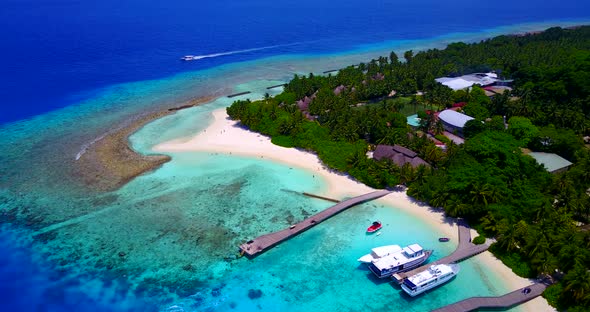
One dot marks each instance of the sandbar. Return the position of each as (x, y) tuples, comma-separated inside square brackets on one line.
[(109, 162)]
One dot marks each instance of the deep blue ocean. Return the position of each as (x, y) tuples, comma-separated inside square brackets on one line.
[(60, 53)]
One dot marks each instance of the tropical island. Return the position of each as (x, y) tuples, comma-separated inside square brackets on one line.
[(491, 167)]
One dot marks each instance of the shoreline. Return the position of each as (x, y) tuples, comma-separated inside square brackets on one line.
[(104, 161), (109, 162), (226, 136)]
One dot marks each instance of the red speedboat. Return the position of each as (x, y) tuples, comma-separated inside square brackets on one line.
[(376, 226)]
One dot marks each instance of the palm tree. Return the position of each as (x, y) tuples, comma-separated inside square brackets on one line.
[(577, 284), (439, 127), (499, 103), (408, 55), (273, 112), (432, 154), (393, 58), (483, 193), (489, 222), (570, 247), (541, 254), (510, 234), (439, 199), (286, 126), (457, 208), (406, 174), (422, 172), (357, 160)]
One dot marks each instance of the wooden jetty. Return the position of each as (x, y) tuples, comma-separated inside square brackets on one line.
[(262, 243), (464, 250), (502, 302), (312, 195), (238, 94), (330, 71), (320, 197), (276, 86)]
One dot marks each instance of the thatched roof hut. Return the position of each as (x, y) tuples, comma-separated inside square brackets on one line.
[(399, 155)]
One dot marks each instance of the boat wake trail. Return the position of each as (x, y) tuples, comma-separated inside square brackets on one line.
[(212, 55)]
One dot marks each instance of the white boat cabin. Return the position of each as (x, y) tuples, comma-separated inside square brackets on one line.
[(406, 259), (413, 251)]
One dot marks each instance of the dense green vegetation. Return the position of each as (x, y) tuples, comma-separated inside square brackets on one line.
[(505, 194), (479, 240)]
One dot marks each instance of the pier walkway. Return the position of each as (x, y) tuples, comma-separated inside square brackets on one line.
[(502, 302), (264, 242), (464, 250)]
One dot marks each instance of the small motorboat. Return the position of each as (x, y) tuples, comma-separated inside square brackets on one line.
[(444, 239), (376, 226), (526, 291), (188, 58)]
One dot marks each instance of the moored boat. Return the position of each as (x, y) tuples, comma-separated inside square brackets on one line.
[(406, 259), (376, 226), (434, 276), (444, 239), (379, 252)]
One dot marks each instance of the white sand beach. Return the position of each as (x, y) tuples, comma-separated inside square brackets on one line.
[(225, 136)]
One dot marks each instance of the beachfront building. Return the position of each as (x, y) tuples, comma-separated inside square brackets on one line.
[(399, 155), (453, 121), (466, 81), (552, 162)]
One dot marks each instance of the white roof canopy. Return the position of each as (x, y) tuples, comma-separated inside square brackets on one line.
[(454, 118)]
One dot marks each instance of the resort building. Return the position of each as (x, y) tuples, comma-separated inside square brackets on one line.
[(453, 121), (399, 155), (552, 162), (466, 81)]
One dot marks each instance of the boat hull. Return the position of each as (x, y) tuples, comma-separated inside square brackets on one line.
[(426, 288), (374, 228), (440, 281)]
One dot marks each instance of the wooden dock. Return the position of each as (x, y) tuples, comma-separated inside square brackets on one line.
[(262, 243), (502, 302), (238, 94), (464, 250), (276, 86), (320, 197)]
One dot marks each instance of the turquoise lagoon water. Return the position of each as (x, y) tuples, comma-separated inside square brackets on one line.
[(315, 269), (168, 239)]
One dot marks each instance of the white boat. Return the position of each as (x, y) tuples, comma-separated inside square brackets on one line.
[(406, 259), (188, 58), (434, 276), (379, 252)]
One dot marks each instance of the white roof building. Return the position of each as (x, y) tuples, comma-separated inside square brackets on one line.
[(454, 118), (466, 81), (552, 162)]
